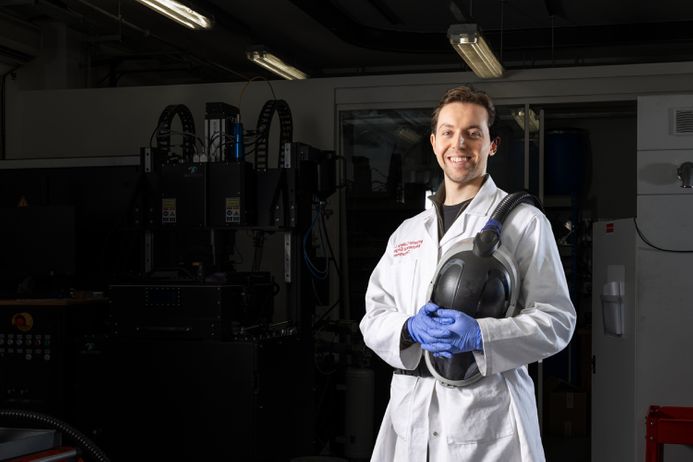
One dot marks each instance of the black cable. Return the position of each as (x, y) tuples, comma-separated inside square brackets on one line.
[(642, 236), (257, 77), (317, 273), (262, 130), (329, 245), (82, 441), (327, 311), (316, 295), (151, 138), (163, 131)]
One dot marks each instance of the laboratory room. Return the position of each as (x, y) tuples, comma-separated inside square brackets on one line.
[(346, 231)]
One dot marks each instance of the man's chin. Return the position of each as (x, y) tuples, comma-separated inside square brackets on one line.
[(463, 179)]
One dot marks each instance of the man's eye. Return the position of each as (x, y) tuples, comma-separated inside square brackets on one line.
[(475, 134)]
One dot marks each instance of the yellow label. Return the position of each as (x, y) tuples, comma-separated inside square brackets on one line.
[(168, 210), (233, 210)]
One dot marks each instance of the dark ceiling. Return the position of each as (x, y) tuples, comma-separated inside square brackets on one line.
[(124, 43)]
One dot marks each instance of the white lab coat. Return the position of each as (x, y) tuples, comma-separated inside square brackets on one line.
[(494, 419)]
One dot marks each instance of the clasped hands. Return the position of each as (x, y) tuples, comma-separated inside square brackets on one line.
[(444, 332)]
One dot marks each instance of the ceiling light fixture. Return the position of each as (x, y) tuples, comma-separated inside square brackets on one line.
[(519, 116), (270, 62), (467, 40), (179, 13)]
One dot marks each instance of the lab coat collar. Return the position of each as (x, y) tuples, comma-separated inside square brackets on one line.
[(484, 200), (481, 203), (480, 206), (431, 222)]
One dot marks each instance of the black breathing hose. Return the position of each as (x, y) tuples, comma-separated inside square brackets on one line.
[(488, 239), (510, 201), (84, 443)]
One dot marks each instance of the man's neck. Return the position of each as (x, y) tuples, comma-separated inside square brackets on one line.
[(456, 193)]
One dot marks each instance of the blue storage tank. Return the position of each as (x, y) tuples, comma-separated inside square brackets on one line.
[(565, 154), (509, 169)]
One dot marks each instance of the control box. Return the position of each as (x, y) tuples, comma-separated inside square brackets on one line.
[(45, 345), (192, 311), (179, 198), (222, 137), (231, 194)]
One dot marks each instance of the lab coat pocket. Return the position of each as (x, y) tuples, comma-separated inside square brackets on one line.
[(405, 274), (480, 412), (401, 399)]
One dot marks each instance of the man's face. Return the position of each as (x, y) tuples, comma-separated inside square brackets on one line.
[(462, 143)]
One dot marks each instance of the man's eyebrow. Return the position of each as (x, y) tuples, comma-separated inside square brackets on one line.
[(446, 125)]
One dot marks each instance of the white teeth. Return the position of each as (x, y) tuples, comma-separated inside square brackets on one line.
[(458, 158)]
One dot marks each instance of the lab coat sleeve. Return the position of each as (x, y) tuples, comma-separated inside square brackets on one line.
[(546, 323), (382, 324)]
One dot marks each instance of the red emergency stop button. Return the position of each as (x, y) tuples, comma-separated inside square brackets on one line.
[(23, 321)]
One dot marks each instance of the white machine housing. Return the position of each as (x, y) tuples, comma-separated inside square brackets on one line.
[(642, 337)]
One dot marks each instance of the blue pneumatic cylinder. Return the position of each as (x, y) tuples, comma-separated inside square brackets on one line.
[(238, 148)]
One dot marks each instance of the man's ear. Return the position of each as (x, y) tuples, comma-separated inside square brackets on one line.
[(495, 144)]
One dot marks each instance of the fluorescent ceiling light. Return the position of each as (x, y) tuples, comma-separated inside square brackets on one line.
[(273, 64), (467, 40), (179, 13), (519, 116)]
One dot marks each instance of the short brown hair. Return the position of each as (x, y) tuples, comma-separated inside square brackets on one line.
[(464, 94)]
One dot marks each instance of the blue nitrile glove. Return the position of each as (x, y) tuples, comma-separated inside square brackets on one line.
[(424, 329), (465, 334)]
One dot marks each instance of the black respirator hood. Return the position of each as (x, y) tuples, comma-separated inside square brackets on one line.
[(478, 277)]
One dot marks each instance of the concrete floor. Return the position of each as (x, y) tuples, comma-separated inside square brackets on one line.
[(566, 449)]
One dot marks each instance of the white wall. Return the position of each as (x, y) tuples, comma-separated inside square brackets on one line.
[(118, 121)]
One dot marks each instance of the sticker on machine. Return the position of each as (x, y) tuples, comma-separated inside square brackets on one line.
[(233, 210), (168, 210)]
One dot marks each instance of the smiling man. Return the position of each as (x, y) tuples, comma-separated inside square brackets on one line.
[(494, 418), (462, 144)]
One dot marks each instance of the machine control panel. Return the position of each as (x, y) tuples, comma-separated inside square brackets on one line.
[(26, 346), (40, 343)]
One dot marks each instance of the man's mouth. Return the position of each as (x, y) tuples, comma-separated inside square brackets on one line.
[(459, 159)]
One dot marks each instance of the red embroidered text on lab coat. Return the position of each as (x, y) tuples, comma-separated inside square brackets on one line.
[(404, 248)]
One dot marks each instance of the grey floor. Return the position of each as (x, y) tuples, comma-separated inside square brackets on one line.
[(566, 449)]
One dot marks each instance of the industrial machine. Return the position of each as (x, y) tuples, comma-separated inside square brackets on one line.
[(204, 331), (206, 261), (641, 285), (46, 346), (190, 310)]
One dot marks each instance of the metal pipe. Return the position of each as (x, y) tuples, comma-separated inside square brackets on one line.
[(526, 127), (542, 143)]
